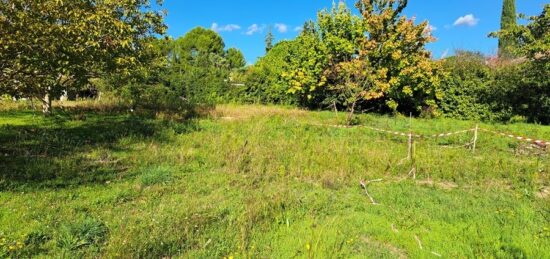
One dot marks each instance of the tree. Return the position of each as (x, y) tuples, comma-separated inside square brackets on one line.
[(304, 73), (264, 81), (198, 66), (321, 46), (50, 45), (400, 71), (533, 39), (376, 61), (235, 58), (193, 70), (269, 40), (508, 21), (524, 87)]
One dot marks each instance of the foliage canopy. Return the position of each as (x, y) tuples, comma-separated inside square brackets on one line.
[(50, 45)]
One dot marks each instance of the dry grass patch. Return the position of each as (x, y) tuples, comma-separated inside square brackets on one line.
[(234, 112)]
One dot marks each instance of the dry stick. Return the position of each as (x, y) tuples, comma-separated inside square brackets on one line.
[(207, 243), (419, 242), (413, 173), (436, 254), (394, 229), (365, 184)]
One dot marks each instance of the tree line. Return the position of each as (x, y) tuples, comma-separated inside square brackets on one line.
[(375, 61), (378, 62)]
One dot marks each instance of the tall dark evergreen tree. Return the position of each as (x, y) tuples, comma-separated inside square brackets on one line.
[(508, 21), (269, 40)]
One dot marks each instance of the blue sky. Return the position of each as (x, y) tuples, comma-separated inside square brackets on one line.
[(459, 24)]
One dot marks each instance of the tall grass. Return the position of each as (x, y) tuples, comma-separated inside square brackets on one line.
[(257, 181)]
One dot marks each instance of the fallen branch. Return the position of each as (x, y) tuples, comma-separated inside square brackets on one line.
[(436, 254), (419, 242), (207, 243), (394, 229), (365, 185), (413, 173)]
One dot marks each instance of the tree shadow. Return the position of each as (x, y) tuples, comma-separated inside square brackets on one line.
[(67, 151)]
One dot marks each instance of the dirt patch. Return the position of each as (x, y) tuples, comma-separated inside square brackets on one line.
[(440, 185), (228, 118), (543, 192), (234, 113), (395, 251)]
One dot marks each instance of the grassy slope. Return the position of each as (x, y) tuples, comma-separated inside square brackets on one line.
[(255, 181)]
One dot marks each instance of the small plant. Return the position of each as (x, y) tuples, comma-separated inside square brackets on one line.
[(88, 232), (518, 119), (34, 242), (155, 175), (9, 247)]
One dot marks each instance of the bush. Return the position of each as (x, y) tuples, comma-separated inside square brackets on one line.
[(522, 89), (466, 88)]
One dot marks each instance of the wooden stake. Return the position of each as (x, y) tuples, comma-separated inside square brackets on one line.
[(410, 149), (475, 138), (410, 137)]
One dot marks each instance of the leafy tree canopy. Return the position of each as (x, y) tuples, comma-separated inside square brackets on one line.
[(49, 45), (377, 59), (235, 58)]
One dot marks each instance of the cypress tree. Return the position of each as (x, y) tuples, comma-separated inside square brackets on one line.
[(508, 21), (269, 40)]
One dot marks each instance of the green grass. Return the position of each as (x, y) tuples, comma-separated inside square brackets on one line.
[(257, 181)]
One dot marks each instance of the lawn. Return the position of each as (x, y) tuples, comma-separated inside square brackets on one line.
[(266, 182)]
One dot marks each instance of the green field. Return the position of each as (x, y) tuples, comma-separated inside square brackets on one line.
[(266, 182)]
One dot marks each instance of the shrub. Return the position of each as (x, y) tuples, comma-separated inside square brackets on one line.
[(521, 90), (465, 89)]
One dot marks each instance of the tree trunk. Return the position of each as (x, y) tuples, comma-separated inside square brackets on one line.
[(47, 105), (32, 104), (351, 113)]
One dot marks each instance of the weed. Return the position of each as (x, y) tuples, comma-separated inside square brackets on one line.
[(82, 234), (155, 175)]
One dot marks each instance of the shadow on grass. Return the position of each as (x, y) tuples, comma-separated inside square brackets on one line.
[(70, 149)]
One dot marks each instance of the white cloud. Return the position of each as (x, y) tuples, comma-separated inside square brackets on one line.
[(298, 28), (281, 27), (229, 27), (254, 28), (432, 28), (468, 20)]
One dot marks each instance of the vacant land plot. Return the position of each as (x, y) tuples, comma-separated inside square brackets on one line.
[(257, 181)]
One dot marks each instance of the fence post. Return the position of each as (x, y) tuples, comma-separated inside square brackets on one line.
[(410, 156), (410, 149), (475, 138)]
